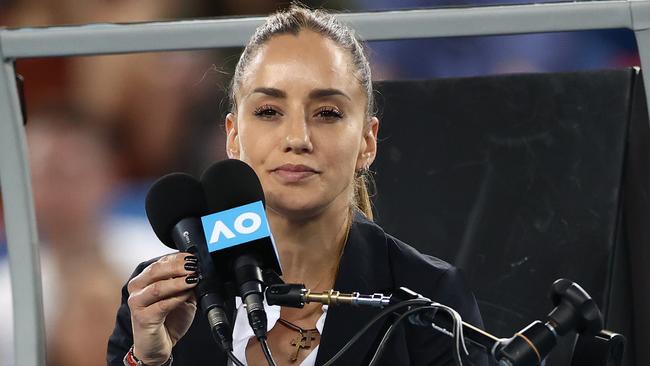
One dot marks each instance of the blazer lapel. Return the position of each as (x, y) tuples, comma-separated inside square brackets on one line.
[(364, 268)]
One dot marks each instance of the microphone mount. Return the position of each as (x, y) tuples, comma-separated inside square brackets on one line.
[(574, 310)]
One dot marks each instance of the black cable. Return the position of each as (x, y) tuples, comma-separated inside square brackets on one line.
[(377, 317), (225, 344), (390, 330), (234, 359), (267, 351)]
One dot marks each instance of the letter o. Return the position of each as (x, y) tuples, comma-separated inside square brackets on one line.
[(256, 222)]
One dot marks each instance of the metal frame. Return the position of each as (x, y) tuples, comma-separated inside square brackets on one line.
[(98, 39)]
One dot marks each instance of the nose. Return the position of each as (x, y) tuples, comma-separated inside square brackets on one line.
[(297, 138)]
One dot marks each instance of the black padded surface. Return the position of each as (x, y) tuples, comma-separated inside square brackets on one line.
[(637, 230), (516, 179)]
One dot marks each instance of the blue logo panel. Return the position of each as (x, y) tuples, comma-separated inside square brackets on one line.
[(235, 226)]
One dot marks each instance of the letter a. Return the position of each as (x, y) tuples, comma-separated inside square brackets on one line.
[(220, 227)]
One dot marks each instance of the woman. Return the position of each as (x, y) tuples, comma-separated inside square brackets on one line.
[(302, 117)]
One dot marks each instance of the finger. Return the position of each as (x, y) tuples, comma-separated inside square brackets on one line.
[(184, 299), (161, 290), (158, 311), (170, 266)]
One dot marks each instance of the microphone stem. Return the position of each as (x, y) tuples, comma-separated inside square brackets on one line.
[(296, 295), (477, 336), (333, 297)]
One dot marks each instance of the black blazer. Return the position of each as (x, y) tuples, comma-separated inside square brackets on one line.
[(372, 261)]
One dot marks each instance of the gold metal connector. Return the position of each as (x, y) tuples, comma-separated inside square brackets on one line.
[(331, 297)]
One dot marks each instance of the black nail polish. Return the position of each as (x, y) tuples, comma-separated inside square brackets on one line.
[(192, 279), (190, 266), (191, 258)]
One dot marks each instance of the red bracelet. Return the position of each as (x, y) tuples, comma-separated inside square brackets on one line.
[(131, 360)]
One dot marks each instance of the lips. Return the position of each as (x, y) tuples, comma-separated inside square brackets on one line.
[(296, 168), (292, 173)]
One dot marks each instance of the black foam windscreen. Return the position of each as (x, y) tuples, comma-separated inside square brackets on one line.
[(230, 183), (170, 199)]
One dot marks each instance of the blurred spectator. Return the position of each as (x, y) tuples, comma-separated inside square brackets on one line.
[(146, 100), (143, 98), (62, 12), (157, 114), (72, 174), (146, 107)]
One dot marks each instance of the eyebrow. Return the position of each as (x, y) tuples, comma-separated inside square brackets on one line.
[(314, 94), (272, 92), (323, 93)]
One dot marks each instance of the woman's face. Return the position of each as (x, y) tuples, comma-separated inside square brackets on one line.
[(301, 124)]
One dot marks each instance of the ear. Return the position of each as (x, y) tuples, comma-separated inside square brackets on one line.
[(368, 149), (232, 136)]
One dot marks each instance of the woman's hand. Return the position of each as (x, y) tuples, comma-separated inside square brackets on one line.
[(162, 306)]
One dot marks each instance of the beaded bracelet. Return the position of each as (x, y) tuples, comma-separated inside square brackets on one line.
[(131, 360)]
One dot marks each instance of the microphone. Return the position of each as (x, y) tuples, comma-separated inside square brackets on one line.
[(574, 310), (174, 206), (238, 234)]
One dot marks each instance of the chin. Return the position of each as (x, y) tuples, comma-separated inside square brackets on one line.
[(294, 207)]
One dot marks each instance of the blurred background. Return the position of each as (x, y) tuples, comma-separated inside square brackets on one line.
[(101, 129)]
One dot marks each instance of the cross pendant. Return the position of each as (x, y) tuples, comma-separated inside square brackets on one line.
[(298, 342), (308, 336)]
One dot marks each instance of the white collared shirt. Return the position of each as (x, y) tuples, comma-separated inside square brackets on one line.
[(242, 331)]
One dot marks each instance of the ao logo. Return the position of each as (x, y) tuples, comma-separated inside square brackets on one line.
[(235, 226), (221, 228)]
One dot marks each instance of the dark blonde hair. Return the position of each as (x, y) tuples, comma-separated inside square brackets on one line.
[(292, 21)]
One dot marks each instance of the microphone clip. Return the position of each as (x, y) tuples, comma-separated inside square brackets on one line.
[(286, 294)]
